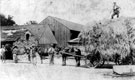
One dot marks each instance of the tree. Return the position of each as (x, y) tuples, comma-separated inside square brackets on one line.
[(31, 22), (6, 21)]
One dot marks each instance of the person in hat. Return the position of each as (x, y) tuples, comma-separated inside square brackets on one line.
[(116, 10), (51, 52), (77, 58)]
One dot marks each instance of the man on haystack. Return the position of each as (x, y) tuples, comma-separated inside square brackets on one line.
[(116, 10)]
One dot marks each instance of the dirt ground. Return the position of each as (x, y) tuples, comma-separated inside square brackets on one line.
[(26, 71)]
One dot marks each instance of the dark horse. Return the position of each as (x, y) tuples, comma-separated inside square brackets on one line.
[(71, 51), (43, 52)]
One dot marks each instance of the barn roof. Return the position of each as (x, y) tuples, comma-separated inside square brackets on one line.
[(43, 34), (70, 25)]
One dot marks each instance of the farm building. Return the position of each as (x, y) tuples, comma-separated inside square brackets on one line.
[(27, 35), (41, 32), (62, 30)]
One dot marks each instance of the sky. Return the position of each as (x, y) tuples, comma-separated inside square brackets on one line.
[(79, 11)]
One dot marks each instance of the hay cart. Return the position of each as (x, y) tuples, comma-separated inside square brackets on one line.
[(97, 59), (24, 48), (92, 59)]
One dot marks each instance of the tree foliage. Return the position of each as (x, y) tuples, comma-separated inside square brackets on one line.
[(31, 22), (6, 21)]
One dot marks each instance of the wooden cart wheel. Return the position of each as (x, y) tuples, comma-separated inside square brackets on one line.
[(88, 64), (98, 61)]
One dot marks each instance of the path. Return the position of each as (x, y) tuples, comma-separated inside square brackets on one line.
[(26, 71)]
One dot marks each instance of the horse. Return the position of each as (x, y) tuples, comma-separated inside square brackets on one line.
[(43, 52), (71, 52), (20, 51)]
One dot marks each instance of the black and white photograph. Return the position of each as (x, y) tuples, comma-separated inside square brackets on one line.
[(67, 39)]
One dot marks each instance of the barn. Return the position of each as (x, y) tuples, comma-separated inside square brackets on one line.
[(63, 30)]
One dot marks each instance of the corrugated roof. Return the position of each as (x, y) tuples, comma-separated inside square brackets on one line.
[(13, 37), (68, 24), (41, 32), (10, 27)]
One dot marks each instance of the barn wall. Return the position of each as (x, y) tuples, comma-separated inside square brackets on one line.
[(60, 31), (62, 34)]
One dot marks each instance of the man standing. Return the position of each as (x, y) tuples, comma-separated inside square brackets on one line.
[(33, 54), (64, 56), (2, 53), (77, 58), (115, 10), (15, 52), (51, 52)]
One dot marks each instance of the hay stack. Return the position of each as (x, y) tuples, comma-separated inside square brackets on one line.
[(110, 37), (21, 43)]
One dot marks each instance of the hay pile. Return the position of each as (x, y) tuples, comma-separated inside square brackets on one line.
[(110, 37), (22, 43)]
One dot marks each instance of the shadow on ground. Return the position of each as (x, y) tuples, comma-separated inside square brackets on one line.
[(108, 66)]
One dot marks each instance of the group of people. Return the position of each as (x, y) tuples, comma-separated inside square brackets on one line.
[(34, 51)]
